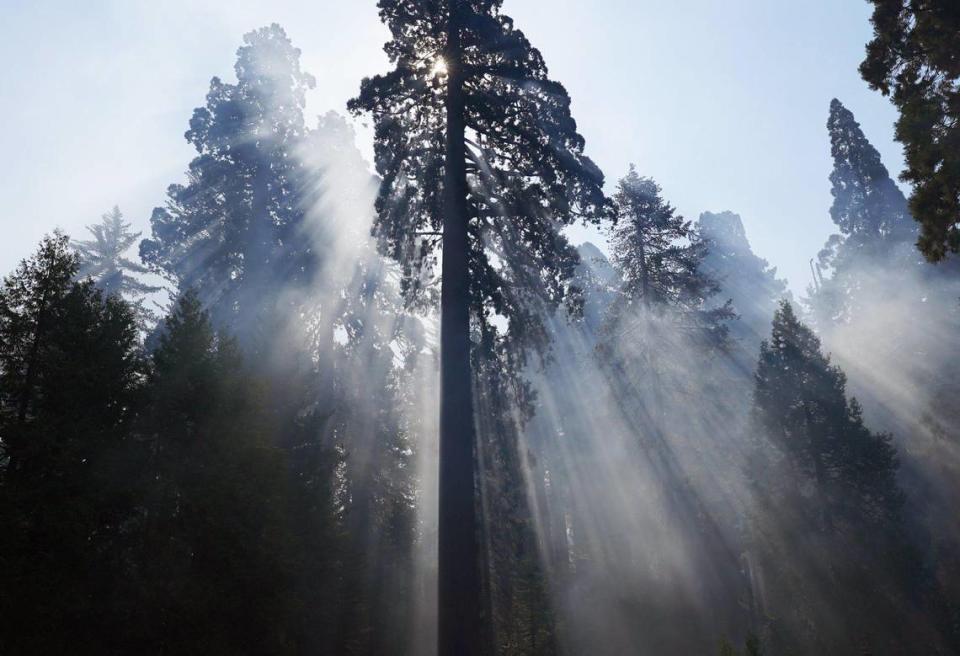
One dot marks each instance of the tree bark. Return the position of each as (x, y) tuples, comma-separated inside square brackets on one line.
[(459, 597)]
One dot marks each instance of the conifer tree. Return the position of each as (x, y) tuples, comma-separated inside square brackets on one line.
[(103, 258), (830, 484), (913, 59), (801, 404), (747, 280), (868, 207), (659, 256), (871, 213), (70, 371), (215, 546), (233, 231), (476, 148)]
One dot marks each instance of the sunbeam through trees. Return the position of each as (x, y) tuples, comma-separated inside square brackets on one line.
[(471, 397)]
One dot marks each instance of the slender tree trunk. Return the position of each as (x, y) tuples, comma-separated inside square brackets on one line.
[(459, 574)]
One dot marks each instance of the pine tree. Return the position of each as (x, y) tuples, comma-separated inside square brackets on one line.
[(215, 546), (913, 58), (828, 483), (476, 147), (802, 406), (70, 372), (659, 257), (234, 232), (102, 259)]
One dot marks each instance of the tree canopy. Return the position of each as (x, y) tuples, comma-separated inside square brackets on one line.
[(913, 58)]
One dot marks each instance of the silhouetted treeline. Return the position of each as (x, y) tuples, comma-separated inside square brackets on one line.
[(672, 454)]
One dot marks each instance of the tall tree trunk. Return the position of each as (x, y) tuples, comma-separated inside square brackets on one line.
[(459, 574)]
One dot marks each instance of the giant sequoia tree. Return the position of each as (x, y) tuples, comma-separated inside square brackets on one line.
[(747, 280), (871, 214), (868, 207), (477, 150), (915, 57), (233, 232)]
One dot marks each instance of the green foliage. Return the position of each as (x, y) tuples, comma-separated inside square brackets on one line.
[(659, 257), (727, 649), (828, 532), (801, 405), (215, 502), (526, 171), (913, 59)]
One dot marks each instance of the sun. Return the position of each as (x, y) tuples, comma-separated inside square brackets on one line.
[(439, 67)]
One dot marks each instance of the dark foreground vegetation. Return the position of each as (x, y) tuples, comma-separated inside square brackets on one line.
[(653, 450)]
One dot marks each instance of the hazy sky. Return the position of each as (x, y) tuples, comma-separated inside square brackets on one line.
[(724, 103)]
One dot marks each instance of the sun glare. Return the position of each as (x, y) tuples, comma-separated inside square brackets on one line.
[(439, 67)]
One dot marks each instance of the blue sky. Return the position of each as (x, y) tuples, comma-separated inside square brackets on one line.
[(724, 103)]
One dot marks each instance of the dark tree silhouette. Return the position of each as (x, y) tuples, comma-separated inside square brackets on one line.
[(476, 147), (215, 503), (69, 377), (867, 205), (801, 404), (830, 507), (914, 57)]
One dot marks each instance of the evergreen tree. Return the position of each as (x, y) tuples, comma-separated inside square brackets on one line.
[(214, 547), (871, 213), (659, 257), (476, 147), (102, 258), (913, 58), (801, 405), (868, 207), (747, 280), (233, 232), (69, 377), (830, 522), (663, 343)]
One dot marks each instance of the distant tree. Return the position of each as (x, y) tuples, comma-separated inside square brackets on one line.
[(747, 280), (476, 146), (233, 232), (868, 207), (70, 374), (102, 258), (871, 213), (913, 58), (659, 256)]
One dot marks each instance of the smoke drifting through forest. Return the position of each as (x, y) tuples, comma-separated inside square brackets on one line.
[(626, 477)]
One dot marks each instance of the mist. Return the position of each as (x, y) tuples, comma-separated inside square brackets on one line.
[(224, 433)]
